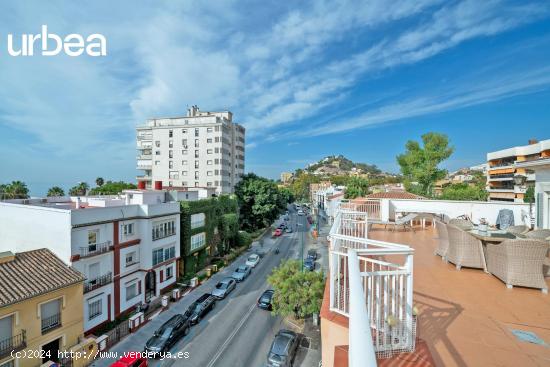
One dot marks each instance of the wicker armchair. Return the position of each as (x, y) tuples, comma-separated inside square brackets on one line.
[(539, 234), (442, 239), (521, 230), (461, 223), (518, 262), (464, 249)]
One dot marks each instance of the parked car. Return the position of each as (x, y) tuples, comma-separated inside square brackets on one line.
[(282, 225), (277, 232), (283, 349), (252, 260), (309, 264), (131, 359), (264, 302), (288, 230), (200, 308), (300, 212), (241, 273), (312, 254), (168, 334), (224, 287)]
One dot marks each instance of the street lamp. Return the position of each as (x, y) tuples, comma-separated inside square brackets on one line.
[(520, 180)]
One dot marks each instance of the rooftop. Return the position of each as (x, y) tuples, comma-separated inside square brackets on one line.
[(466, 317), (32, 273), (391, 195)]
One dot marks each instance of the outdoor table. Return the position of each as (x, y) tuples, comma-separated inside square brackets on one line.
[(492, 235)]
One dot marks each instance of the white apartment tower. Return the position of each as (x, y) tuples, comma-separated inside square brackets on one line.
[(201, 149)]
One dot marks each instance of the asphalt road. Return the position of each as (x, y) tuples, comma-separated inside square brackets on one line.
[(235, 332)]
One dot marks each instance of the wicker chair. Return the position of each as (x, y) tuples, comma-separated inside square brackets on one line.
[(539, 234), (442, 238), (518, 262), (521, 230), (464, 249), (461, 223)]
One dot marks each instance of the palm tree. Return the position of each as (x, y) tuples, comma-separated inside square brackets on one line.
[(55, 191), (3, 193), (99, 181), (17, 190), (79, 190)]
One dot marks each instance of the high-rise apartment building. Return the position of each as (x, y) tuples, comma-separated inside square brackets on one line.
[(503, 168), (201, 149)]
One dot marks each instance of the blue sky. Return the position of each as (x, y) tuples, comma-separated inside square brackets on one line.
[(307, 79)]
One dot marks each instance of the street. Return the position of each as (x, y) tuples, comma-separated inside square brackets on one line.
[(236, 332)]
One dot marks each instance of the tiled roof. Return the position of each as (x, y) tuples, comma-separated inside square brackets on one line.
[(33, 273), (393, 195)]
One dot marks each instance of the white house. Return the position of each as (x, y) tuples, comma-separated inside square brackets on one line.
[(127, 246), (541, 167)]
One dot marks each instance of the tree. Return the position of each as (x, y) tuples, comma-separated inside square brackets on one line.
[(285, 197), (356, 187), (420, 164), (297, 293), (14, 190), (300, 185), (463, 191), (99, 181), (79, 190), (55, 191), (112, 188), (229, 230), (529, 196), (259, 202)]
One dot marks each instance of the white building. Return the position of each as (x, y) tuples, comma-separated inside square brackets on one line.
[(541, 209), (502, 170), (202, 149), (127, 246)]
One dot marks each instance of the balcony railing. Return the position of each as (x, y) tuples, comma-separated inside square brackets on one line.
[(90, 285), (50, 323), (95, 249), (13, 344), (372, 289)]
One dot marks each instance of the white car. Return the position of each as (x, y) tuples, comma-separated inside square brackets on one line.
[(300, 212), (253, 260)]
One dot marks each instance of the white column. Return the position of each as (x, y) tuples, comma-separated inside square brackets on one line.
[(361, 350)]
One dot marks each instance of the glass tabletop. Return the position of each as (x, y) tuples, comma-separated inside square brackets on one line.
[(494, 233)]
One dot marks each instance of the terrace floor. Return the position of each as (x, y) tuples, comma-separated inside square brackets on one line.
[(466, 316)]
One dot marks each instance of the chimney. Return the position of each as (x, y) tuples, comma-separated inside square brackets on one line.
[(533, 141)]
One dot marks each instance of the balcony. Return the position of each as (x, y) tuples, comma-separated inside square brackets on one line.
[(98, 282), (14, 344), (94, 249), (50, 323), (374, 293)]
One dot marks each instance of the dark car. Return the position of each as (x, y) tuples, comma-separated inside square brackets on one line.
[(264, 302), (200, 308), (312, 254), (309, 264), (167, 335), (283, 349), (282, 225), (224, 287)]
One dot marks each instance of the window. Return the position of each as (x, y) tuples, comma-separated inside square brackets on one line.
[(6, 329), (198, 220), (217, 128), (127, 229), (217, 150), (217, 139), (95, 308), (196, 184), (196, 175), (184, 143), (196, 131), (170, 144), (209, 162), (157, 152), (93, 271), (184, 152), (184, 184), (170, 133), (198, 240), (131, 258), (196, 154), (160, 255), (157, 256), (184, 131), (170, 164), (209, 151), (184, 173), (174, 175), (163, 229), (169, 272), (217, 161), (92, 237), (157, 163), (184, 163), (50, 314), (209, 140), (196, 143), (131, 291), (209, 184), (170, 154), (196, 164), (209, 173), (157, 143)]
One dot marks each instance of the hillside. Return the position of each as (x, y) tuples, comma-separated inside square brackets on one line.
[(340, 165)]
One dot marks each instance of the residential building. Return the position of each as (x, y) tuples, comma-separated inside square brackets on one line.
[(502, 169), (201, 149), (286, 177), (39, 294), (540, 208), (315, 187), (127, 246)]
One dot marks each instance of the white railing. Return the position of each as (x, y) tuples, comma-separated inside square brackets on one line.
[(369, 206), (386, 286)]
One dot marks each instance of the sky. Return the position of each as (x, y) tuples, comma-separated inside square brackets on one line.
[(307, 79)]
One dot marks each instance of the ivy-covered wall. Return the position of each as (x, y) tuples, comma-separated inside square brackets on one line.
[(216, 230)]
